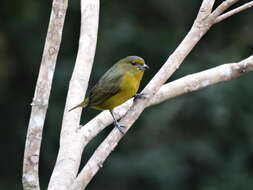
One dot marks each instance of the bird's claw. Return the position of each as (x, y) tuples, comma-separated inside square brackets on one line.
[(139, 96), (120, 128)]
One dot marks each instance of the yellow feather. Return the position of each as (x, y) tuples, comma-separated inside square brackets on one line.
[(129, 86)]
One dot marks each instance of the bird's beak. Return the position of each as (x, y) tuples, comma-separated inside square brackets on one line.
[(144, 67)]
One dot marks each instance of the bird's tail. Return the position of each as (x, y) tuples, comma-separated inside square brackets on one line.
[(83, 104)]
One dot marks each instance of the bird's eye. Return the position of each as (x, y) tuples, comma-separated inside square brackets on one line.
[(133, 63)]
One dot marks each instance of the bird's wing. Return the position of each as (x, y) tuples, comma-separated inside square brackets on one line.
[(107, 86)]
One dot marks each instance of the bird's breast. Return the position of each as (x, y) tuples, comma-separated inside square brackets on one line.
[(130, 82), (129, 86)]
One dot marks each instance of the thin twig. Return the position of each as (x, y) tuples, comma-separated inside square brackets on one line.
[(41, 97), (181, 86), (222, 8), (234, 11)]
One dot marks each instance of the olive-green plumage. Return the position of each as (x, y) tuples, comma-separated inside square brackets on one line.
[(117, 85)]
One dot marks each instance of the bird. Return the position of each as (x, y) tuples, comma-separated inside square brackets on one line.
[(120, 83)]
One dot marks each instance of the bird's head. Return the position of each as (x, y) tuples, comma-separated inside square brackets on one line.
[(134, 63)]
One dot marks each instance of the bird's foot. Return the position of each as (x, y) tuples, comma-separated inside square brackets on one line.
[(120, 128), (139, 96)]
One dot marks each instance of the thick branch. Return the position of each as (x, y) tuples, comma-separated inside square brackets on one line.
[(41, 97), (178, 87), (234, 11), (71, 143)]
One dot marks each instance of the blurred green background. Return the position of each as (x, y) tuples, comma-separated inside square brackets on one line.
[(199, 141)]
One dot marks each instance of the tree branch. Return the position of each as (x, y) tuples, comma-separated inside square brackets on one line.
[(71, 145), (234, 11), (173, 89), (205, 9), (202, 79), (41, 96)]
